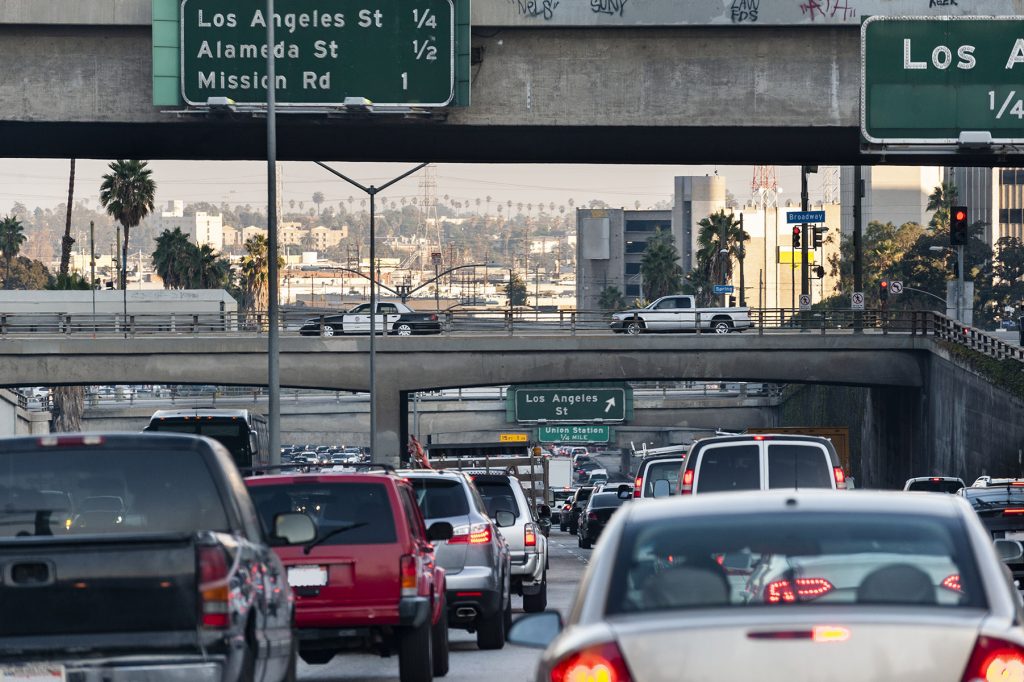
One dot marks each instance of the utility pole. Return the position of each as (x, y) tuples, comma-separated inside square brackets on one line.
[(92, 273), (960, 283), (742, 252), (273, 331), (858, 247), (723, 253), (804, 281)]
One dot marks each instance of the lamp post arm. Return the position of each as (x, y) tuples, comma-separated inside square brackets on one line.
[(365, 276), (926, 293), (442, 274)]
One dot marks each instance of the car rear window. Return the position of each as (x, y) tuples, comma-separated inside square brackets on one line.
[(798, 466), (939, 486), (734, 467), (498, 496), (665, 470), (440, 498), (985, 499), (605, 500), (79, 491), (782, 560), (363, 508)]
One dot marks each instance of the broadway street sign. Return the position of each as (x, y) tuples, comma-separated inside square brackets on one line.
[(391, 52)]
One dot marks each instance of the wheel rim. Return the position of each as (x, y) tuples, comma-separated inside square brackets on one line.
[(328, 330), (634, 328), (722, 328), (403, 330)]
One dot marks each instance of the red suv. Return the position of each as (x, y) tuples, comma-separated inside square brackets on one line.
[(369, 581)]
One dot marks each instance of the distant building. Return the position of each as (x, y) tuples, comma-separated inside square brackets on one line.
[(232, 238), (994, 196), (324, 237), (252, 231), (892, 194), (201, 228)]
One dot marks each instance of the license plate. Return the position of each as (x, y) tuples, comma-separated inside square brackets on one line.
[(37, 672), (303, 576)]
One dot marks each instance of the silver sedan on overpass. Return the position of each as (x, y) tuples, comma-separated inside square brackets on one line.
[(789, 586)]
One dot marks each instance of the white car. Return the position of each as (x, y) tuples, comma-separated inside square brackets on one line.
[(679, 313), (789, 585)]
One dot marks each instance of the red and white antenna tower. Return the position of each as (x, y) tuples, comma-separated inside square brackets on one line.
[(764, 189)]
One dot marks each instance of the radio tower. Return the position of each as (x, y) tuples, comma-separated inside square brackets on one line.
[(764, 189), (428, 209), (829, 184)]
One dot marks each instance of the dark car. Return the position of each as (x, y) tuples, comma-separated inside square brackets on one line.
[(139, 557), (391, 318), (1000, 506), (579, 503), (599, 511)]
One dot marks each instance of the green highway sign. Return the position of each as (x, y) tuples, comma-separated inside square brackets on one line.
[(570, 404), (926, 80), (391, 52), (574, 433)]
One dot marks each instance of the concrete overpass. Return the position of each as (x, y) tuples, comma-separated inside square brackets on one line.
[(606, 81)]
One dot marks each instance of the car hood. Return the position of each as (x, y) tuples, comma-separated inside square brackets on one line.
[(629, 313)]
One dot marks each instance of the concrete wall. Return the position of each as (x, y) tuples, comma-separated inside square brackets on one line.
[(18, 421)]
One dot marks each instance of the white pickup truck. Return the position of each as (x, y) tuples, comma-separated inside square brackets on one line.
[(678, 313)]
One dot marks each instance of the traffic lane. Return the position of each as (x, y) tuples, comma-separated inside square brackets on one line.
[(468, 663)]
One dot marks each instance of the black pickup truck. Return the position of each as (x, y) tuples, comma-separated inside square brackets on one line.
[(129, 557)]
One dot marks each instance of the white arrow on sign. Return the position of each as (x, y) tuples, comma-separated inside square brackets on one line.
[(609, 404), (896, 286)]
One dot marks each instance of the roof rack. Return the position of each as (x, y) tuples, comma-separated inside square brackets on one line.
[(260, 470), (375, 465)]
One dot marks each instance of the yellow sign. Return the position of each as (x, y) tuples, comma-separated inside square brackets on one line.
[(788, 256), (513, 438)]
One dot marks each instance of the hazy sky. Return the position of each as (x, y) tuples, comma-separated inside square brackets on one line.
[(44, 182)]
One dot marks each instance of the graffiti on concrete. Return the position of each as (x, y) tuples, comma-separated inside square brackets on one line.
[(744, 11), (542, 9), (610, 7)]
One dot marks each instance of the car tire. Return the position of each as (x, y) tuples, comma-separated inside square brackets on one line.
[(634, 327), (415, 655), (535, 603), (328, 330), (585, 542), (721, 326), (403, 329), (507, 612), (490, 631), (316, 657), (439, 642), (563, 527)]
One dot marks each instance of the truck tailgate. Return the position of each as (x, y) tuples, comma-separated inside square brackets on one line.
[(97, 585)]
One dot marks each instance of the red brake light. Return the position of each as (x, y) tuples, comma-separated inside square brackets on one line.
[(530, 539), (781, 591), (599, 663), (636, 486), (213, 586), (407, 569), (952, 583), (994, 659), (687, 486), (1013, 511), (760, 438), (840, 477), (69, 441), (592, 516), (477, 534), (936, 479)]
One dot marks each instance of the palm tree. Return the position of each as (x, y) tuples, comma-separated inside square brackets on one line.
[(171, 258), (940, 201), (256, 274), (12, 236), (659, 268), (716, 266), (291, 204), (318, 198), (127, 193), (207, 270), (67, 241)]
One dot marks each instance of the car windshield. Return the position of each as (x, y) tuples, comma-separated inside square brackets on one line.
[(363, 506), (498, 496), (665, 470), (936, 486), (793, 559), (995, 497), (440, 498), (77, 491)]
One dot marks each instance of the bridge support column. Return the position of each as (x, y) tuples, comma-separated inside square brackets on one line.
[(392, 424), (893, 447)]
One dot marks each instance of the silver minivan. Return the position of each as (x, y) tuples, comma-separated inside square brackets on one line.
[(758, 462)]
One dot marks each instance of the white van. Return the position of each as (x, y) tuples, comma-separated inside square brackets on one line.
[(758, 462)]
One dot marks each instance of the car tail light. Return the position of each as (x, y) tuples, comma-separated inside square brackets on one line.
[(599, 663), (781, 591), (476, 534), (530, 539), (995, 659), (69, 441), (213, 586), (592, 516), (407, 569), (636, 486), (840, 476), (1013, 511), (686, 488), (952, 583)]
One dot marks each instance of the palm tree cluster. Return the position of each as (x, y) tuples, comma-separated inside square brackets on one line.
[(714, 266), (12, 236), (660, 270), (184, 265)]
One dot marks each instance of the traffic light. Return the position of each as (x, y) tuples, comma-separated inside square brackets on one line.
[(820, 272), (818, 237), (883, 290), (732, 301), (958, 225), (796, 236)]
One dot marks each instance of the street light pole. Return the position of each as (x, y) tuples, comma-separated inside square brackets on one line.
[(273, 333), (372, 192), (960, 282)]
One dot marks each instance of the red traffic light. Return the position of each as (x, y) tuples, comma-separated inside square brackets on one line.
[(960, 214), (883, 284), (796, 230)]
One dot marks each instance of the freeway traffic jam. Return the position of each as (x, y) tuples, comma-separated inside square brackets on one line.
[(167, 555)]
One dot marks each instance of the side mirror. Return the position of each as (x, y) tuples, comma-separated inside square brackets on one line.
[(1009, 550), (441, 530), (504, 519), (294, 528), (624, 491), (544, 511), (661, 488), (536, 630)]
